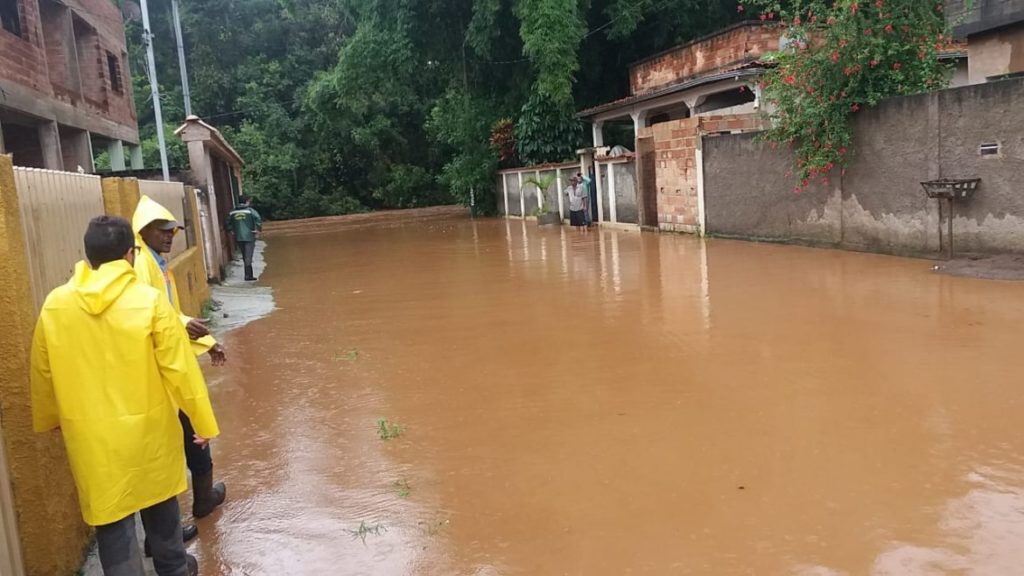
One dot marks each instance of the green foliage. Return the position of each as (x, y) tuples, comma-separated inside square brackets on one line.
[(503, 141), (342, 106), (460, 124), (389, 430), (551, 31), (542, 184), (547, 131), (845, 56)]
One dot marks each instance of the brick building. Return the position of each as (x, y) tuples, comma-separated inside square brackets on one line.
[(65, 87), (706, 86)]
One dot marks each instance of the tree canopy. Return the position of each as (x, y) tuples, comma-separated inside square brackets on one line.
[(341, 106)]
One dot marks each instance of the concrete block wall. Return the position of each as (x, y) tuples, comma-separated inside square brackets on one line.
[(675, 146), (878, 205), (23, 60), (729, 47)]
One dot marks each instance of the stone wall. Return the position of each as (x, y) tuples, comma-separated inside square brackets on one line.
[(878, 204), (727, 48)]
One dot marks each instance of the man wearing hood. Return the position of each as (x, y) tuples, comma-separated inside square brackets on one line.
[(155, 228), (111, 367)]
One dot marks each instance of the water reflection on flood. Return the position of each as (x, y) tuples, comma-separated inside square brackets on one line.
[(615, 403)]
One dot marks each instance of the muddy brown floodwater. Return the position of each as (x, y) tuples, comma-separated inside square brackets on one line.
[(615, 403)]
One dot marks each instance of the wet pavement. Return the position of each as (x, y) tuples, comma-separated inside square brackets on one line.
[(614, 403)]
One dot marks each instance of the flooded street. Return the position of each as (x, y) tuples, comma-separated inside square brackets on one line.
[(614, 403)]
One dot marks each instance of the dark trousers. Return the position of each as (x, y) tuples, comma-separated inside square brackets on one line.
[(247, 249), (198, 458), (119, 548)]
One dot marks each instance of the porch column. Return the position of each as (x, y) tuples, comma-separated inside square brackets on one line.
[(135, 153), (600, 192), (2, 149), (49, 141), (639, 121), (540, 193), (522, 197), (116, 151), (598, 133), (504, 189), (611, 193), (558, 191)]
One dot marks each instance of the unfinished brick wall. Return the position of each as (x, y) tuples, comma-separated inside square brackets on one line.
[(675, 147), (43, 58), (728, 48), (23, 60)]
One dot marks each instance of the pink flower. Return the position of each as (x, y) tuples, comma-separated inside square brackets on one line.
[(874, 63), (796, 21), (835, 57), (763, 17), (867, 31), (855, 107), (842, 43), (897, 66), (854, 8), (888, 28), (739, 8)]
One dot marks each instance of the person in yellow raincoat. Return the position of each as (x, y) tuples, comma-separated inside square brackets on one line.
[(111, 366), (155, 228)]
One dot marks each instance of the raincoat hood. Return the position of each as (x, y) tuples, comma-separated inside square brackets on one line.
[(96, 290), (147, 211)]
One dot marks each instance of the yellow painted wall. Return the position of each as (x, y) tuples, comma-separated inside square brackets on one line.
[(52, 533), (189, 270), (120, 197)]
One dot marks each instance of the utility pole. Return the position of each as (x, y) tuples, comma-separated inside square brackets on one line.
[(147, 38), (185, 92)]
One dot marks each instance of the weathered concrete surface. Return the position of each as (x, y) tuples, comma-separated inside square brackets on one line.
[(49, 519), (883, 208), (625, 193)]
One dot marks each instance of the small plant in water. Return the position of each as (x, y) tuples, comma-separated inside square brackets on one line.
[(365, 529), (352, 355), (389, 430), (403, 488)]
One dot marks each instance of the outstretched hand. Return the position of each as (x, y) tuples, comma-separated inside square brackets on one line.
[(218, 355)]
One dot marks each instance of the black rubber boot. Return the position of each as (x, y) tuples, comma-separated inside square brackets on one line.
[(188, 532), (206, 494), (249, 277), (192, 564)]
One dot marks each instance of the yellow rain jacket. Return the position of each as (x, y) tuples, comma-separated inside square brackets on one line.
[(148, 269), (110, 363)]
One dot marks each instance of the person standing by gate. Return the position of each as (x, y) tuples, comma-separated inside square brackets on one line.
[(577, 206), (245, 224), (111, 367)]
